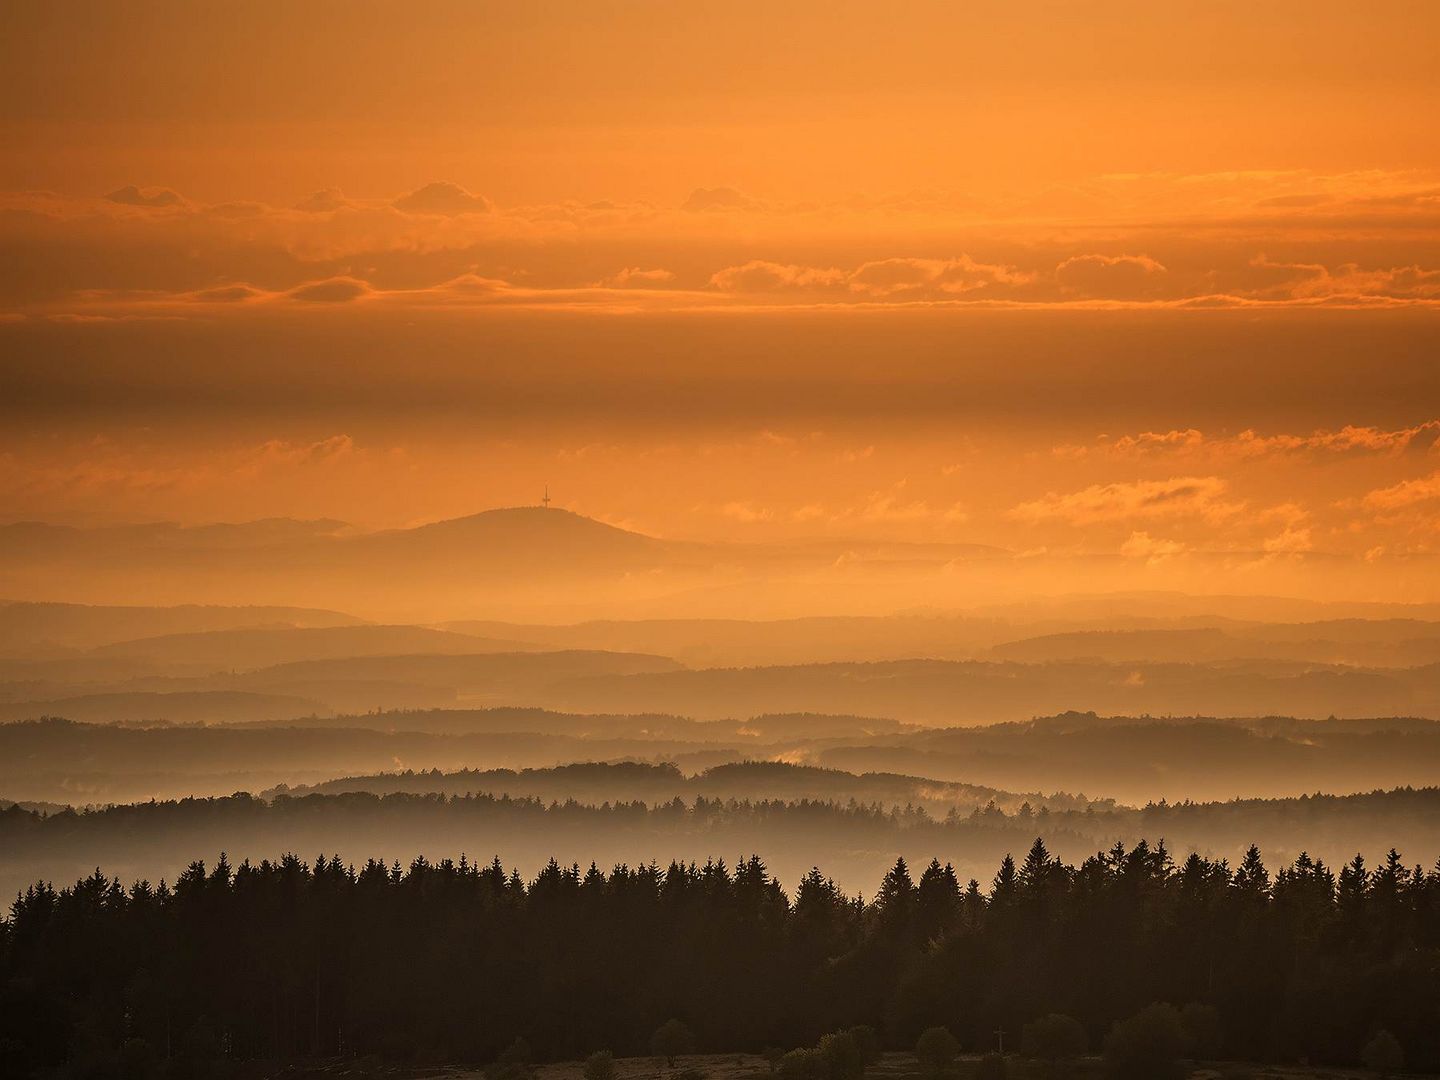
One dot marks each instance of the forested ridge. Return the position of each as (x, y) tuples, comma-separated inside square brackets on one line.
[(855, 840), (453, 961)]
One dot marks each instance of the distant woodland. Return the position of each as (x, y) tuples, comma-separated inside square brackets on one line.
[(456, 961), (523, 828), (854, 839), (1133, 759)]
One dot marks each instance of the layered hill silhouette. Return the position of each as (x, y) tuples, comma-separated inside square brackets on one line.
[(854, 841), (944, 693), (249, 648), (1047, 631), (1133, 759), (509, 560), (138, 685), (1376, 643), (43, 629)]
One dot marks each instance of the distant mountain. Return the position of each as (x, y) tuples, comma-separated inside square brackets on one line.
[(946, 693), (750, 642), (471, 679), (655, 783), (26, 538), (1383, 643), (524, 535), (202, 707), (244, 649), (38, 629), (539, 565), (341, 677), (1033, 634), (506, 561)]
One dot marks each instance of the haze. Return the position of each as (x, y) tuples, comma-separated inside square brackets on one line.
[(806, 436)]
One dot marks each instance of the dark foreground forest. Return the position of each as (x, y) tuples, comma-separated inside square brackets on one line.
[(453, 962)]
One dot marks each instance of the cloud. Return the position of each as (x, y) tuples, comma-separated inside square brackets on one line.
[(1298, 281), (1182, 496), (880, 279), (1293, 541), (130, 195), (1110, 276), (1141, 545), (1249, 444), (942, 277), (228, 294), (746, 512), (1404, 494), (720, 198), (634, 277), (336, 290), (1176, 439), (443, 198), (1350, 438), (102, 466), (323, 201), (892, 506), (759, 276), (469, 285), (873, 251), (279, 452)]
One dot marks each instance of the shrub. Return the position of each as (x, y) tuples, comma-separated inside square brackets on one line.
[(840, 1057), (1147, 1046), (935, 1050), (513, 1064), (1054, 1038), (1202, 1029), (600, 1066), (1383, 1054), (868, 1041), (671, 1039), (799, 1064)]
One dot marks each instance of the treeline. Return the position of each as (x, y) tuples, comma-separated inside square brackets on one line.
[(854, 840), (456, 961), (627, 781)]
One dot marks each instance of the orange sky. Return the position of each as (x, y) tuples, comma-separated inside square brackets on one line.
[(1124, 277)]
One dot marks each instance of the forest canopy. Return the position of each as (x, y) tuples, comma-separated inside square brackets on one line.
[(454, 961)]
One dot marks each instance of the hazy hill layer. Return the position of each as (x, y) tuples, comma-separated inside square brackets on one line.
[(40, 629), (628, 781), (855, 843), (1380, 643), (1131, 759), (943, 693), (205, 707), (1137, 759), (1046, 631), (242, 649), (471, 672), (63, 761), (519, 561)]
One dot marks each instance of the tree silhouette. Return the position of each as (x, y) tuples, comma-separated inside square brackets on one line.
[(868, 1043), (1382, 1054), (840, 1056), (936, 1050), (671, 1039), (289, 959), (600, 1066), (1054, 1038), (1147, 1046)]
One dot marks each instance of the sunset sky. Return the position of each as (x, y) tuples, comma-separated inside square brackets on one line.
[(1136, 278)]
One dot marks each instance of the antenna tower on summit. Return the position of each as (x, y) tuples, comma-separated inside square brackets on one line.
[(545, 502)]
